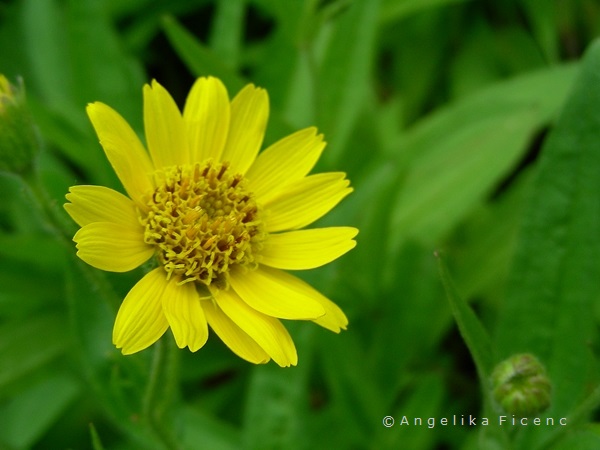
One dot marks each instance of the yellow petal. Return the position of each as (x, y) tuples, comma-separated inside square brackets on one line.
[(249, 115), (123, 149), (140, 321), (268, 332), (334, 318), (181, 305), (305, 201), (237, 340), (206, 115), (287, 160), (112, 246), (165, 129), (271, 292), (307, 249), (100, 204)]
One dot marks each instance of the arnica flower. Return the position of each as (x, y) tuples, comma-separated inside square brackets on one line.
[(221, 221)]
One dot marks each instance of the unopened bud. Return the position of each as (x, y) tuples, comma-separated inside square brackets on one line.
[(19, 142), (521, 385)]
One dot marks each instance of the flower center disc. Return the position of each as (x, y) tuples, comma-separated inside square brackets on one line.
[(202, 221)]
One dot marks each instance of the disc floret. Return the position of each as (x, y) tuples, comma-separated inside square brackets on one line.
[(203, 221)]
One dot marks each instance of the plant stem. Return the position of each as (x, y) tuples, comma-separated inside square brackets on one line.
[(160, 391)]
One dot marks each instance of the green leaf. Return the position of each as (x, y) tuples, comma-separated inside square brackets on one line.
[(555, 273), (408, 305), (357, 401), (482, 351), (393, 10), (344, 74), (424, 401), (115, 382), (101, 70), (29, 345), (275, 411), (96, 442), (542, 18), (588, 439), (488, 54), (227, 31), (456, 156), (471, 329), (482, 249), (205, 431), (368, 209), (198, 58), (29, 414), (69, 137), (45, 46)]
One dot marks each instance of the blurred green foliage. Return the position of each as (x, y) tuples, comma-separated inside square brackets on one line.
[(467, 126)]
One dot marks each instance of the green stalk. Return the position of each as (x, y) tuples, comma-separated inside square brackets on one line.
[(160, 391)]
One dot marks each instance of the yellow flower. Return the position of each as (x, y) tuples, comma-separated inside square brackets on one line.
[(221, 220)]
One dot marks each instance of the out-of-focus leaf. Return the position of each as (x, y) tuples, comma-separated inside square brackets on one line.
[(275, 414), (19, 297), (487, 55), (101, 70), (145, 20), (227, 31), (198, 58), (27, 416), (411, 303), (471, 329), (517, 51), (463, 167), (26, 346), (96, 442), (483, 249), (344, 73), (120, 9), (26, 257), (555, 273), (356, 404), (542, 18), (12, 57), (300, 106), (424, 401), (45, 39), (393, 10), (69, 138), (414, 68), (367, 208), (587, 439), (36, 250), (203, 431), (474, 65), (115, 381), (457, 155), (480, 347)]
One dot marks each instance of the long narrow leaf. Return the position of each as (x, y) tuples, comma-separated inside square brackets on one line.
[(554, 280), (471, 329)]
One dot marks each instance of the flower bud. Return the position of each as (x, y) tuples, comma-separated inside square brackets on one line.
[(521, 385), (19, 142)]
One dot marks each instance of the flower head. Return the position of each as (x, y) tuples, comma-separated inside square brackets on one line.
[(221, 221), (521, 385), (19, 144)]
